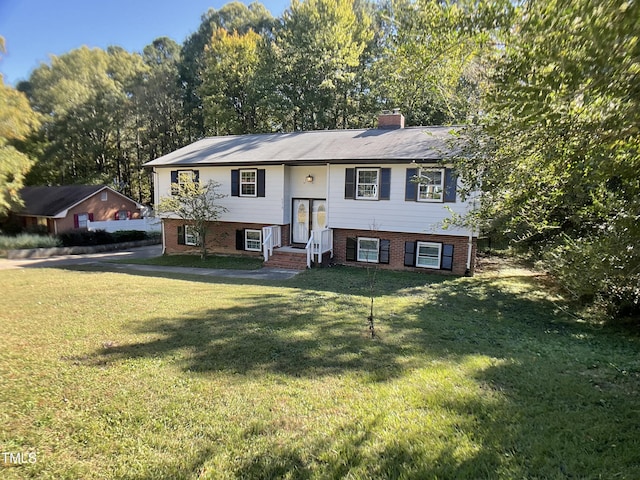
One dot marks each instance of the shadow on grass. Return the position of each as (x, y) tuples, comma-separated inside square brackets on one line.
[(550, 406)]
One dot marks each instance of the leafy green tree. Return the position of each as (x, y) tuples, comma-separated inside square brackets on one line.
[(197, 205), (229, 82), (232, 17), (17, 121), (316, 56), (430, 52), (558, 147)]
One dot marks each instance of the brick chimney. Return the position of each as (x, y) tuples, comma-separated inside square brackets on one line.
[(391, 120)]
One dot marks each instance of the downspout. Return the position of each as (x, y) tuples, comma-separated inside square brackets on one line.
[(156, 197), (469, 250), (470, 243), (164, 243)]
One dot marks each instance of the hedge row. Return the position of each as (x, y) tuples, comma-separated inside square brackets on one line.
[(83, 238)]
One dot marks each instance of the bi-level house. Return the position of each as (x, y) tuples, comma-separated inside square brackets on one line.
[(343, 196)]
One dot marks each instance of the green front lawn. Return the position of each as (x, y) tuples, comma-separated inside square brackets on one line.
[(234, 262), (116, 375)]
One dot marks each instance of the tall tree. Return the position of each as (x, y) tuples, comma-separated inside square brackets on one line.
[(229, 83), (430, 48), (317, 53), (558, 148), (85, 97), (232, 17), (159, 123), (17, 121)]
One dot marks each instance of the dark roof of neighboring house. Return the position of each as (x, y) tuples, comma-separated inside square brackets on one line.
[(51, 201), (321, 146)]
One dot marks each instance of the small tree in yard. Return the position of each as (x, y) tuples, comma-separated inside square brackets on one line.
[(196, 204)]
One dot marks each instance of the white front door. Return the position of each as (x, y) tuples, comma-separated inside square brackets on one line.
[(300, 223), (319, 220)]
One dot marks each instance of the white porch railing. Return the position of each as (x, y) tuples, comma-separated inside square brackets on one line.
[(320, 242), (272, 237)]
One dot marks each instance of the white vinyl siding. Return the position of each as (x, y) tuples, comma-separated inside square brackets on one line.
[(393, 215)]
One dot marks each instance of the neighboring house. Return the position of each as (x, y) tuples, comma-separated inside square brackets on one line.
[(343, 194), (69, 207)]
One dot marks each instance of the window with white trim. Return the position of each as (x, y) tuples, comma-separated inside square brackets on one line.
[(253, 240), (248, 183), (428, 254), (190, 235), (185, 177), (367, 181), (104, 196), (83, 218), (368, 250), (431, 186)]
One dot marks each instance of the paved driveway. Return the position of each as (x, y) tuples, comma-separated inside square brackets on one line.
[(143, 252), (87, 259)]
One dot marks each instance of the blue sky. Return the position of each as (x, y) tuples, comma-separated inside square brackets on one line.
[(34, 29)]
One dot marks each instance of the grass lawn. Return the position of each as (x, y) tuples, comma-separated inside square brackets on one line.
[(115, 375), (212, 261)]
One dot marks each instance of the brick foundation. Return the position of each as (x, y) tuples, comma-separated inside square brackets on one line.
[(396, 253), (220, 239)]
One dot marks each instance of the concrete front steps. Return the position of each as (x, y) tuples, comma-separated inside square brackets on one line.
[(289, 258)]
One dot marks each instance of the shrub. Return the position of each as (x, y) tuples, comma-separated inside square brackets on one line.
[(129, 235), (26, 240), (81, 238)]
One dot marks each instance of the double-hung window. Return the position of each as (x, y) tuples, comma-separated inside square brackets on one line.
[(248, 183), (190, 235), (428, 254), (431, 186), (368, 250), (253, 240), (83, 218), (367, 181)]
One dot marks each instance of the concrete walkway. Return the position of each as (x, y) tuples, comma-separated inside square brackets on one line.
[(103, 259)]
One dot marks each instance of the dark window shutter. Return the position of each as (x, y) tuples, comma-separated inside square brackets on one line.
[(261, 182), (352, 246), (116, 216), (239, 239), (385, 249), (174, 181), (446, 263), (450, 180), (76, 222), (410, 254), (411, 188), (91, 217), (350, 183), (196, 176), (128, 214), (385, 183), (235, 183), (181, 235)]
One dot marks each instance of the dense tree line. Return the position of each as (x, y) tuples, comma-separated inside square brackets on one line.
[(556, 149), (548, 89), (324, 64)]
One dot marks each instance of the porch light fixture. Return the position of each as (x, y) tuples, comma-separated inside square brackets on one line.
[(309, 179)]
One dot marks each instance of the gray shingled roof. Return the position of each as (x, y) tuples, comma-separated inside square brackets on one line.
[(51, 201), (322, 146)]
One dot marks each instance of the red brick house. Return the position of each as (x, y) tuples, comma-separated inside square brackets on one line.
[(69, 207), (345, 196)]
